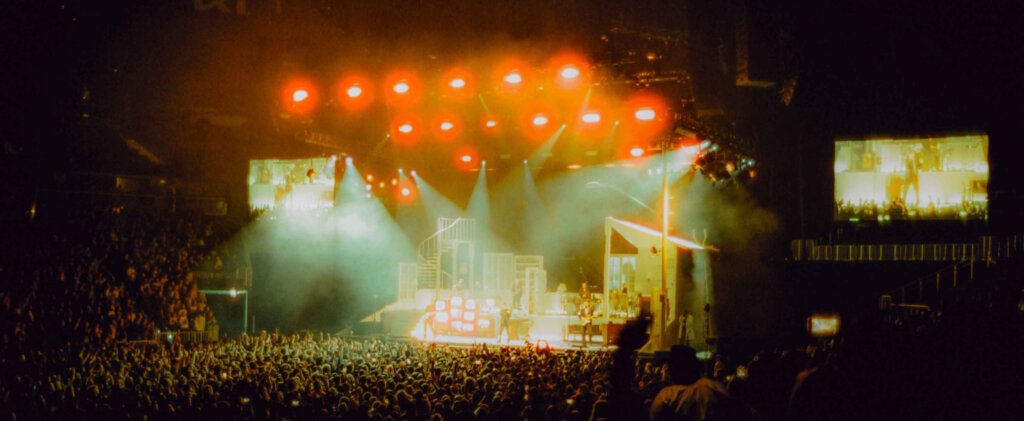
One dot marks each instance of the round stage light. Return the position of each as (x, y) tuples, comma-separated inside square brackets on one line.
[(466, 158), (354, 91), (348, 160), (456, 301), (394, 181), (234, 293), (442, 317), (401, 87), (469, 316), (405, 128), (637, 151), (405, 191), (470, 304), (513, 78), (644, 114), (540, 120), (570, 72), (491, 123), (457, 83), (439, 305), (592, 117), (300, 95), (447, 125), (369, 177), (412, 173)]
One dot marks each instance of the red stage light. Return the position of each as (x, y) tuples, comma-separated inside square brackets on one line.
[(404, 88), (458, 83), (649, 115), (644, 114), (354, 93), (540, 120), (512, 75), (570, 70), (299, 95), (406, 129), (446, 126), (466, 158)]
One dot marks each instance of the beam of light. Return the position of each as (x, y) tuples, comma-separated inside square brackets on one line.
[(479, 207), (541, 155), (681, 242), (644, 114), (401, 87), (436, 204), (300, 95)]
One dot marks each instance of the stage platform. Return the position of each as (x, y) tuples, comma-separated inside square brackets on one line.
[(545, 329)]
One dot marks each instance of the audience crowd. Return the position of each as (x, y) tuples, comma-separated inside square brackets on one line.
[(82, 300), (95, 278)]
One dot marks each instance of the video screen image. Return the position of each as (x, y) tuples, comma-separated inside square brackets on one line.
[(918, 178), (292, 183)]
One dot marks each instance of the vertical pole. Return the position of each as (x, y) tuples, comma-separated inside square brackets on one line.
[(664, 241), (245, 313)]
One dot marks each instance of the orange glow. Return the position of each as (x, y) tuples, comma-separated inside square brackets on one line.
[(575, 166)]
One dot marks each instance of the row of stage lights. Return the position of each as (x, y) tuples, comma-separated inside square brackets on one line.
[(403, 89)]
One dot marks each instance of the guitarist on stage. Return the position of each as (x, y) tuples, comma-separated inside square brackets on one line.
[(586, 314)]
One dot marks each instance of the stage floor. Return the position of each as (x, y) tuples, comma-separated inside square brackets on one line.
[(546, 328)]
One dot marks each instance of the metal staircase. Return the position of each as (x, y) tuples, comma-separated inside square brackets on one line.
[(430, 272)]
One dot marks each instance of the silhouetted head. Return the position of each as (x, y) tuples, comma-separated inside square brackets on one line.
[(683, 365)]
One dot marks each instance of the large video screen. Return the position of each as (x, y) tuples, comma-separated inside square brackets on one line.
[(918, 178), (292, 183)]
